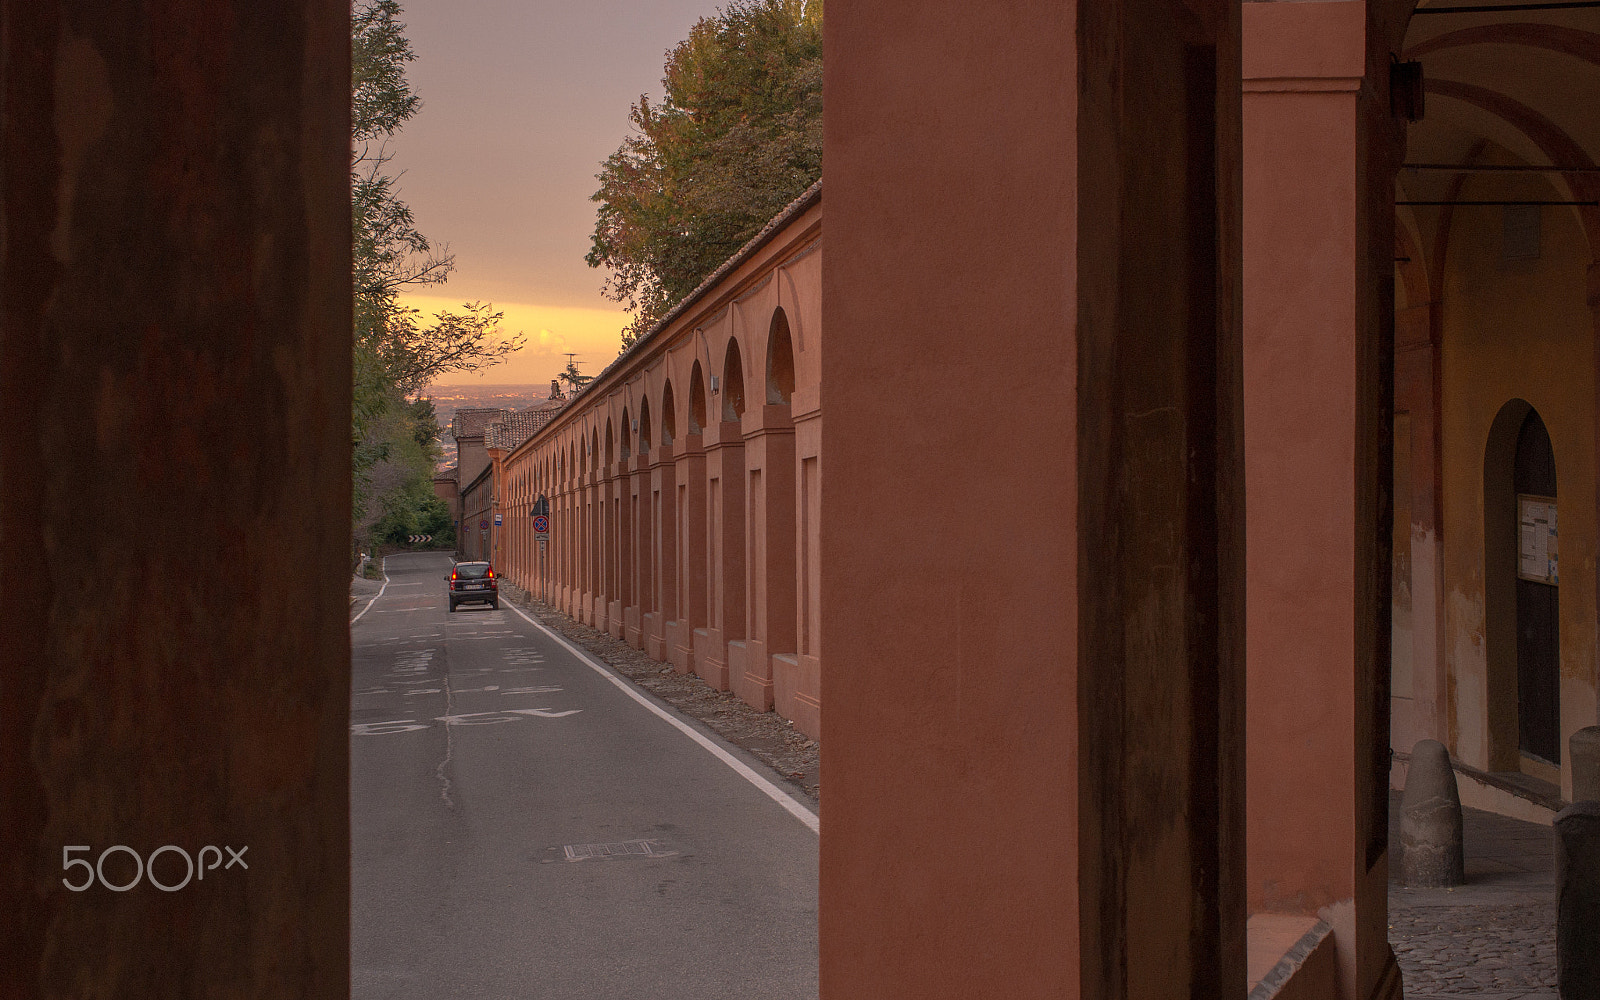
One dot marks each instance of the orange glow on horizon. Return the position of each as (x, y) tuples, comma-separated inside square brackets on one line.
[(593, 334)]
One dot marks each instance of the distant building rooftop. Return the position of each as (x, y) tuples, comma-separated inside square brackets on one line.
[(515, 427)]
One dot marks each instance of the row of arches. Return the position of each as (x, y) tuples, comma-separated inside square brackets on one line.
[(684, 493), (637, 430)]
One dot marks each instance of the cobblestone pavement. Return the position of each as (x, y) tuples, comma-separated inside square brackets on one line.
[(1493, 938)]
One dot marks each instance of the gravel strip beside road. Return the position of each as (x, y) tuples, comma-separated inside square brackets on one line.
[(771, 739)]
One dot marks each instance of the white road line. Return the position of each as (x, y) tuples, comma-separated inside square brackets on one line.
[(772, 791), (378, 594)]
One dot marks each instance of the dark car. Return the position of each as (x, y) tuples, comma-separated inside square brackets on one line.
[(473, 581)]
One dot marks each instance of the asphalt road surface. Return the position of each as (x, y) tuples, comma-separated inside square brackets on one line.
[(522, 827)]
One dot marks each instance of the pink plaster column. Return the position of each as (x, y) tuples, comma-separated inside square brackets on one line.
[(604, 551), (640, 550), (589, 542), (689, 609), (664, 554), (806, 407), (618, 591), (719, 648), (1593, 290), (572, 540), (1317, 565), (1032, 593), (769, 557)]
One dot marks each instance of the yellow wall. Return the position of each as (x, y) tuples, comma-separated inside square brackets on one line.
[(1516, 330)]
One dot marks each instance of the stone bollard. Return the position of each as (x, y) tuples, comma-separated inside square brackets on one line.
[(1578, 901), (1430, 820), (1585, 746)]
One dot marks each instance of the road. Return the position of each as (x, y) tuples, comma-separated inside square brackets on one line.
[(524, 828)]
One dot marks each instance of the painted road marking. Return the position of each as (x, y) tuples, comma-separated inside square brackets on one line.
[(773, 792), (465, 719), (378, 594)]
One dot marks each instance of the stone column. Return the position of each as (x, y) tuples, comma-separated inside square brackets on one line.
[(1419, 692), (1317, 357), (1031, 589), (1578, 901), (1431, 854), (1585, 760), (175, 391)]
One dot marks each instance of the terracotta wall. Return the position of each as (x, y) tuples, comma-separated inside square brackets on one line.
[(685, 519), (1515, 330), (1026, 592), (474, 540)]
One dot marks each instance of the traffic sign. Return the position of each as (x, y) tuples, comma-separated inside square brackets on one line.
[(484, 525), (497, 520), (541, 524), (540, 506), (416, 539)]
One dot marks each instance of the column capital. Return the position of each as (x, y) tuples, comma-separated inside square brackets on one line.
[(1304, 47)]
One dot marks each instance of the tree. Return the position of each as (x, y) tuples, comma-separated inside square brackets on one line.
[(397, 352), (574, 379), (395, 349), (737, 137)]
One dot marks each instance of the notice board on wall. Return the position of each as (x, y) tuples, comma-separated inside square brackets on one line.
[(1537, 551)]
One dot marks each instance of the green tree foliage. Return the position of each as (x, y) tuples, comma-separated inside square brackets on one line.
[(737, 137), (397, 350), (574, 379)]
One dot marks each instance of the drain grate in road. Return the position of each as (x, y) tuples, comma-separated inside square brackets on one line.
[(626, 849)]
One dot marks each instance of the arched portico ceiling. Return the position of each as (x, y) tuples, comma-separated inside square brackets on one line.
[(1515, 86)]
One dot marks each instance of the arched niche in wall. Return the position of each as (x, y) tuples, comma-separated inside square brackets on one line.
[(732, 383), (1521, 591), (610, 446), (697, 400), (780, 360), (669, 422), (644, 426), (625, 439)]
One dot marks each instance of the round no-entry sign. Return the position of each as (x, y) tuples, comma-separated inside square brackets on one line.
[(541, 524)]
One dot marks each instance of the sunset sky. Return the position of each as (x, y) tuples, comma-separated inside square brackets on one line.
[(521, 100)]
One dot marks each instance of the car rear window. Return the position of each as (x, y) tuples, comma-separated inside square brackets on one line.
[(471, 571)]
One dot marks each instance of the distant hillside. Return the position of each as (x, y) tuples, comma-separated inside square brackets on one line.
[(447, 399)]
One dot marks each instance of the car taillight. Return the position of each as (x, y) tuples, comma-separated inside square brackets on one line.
[(452, 574), (490, 574)]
